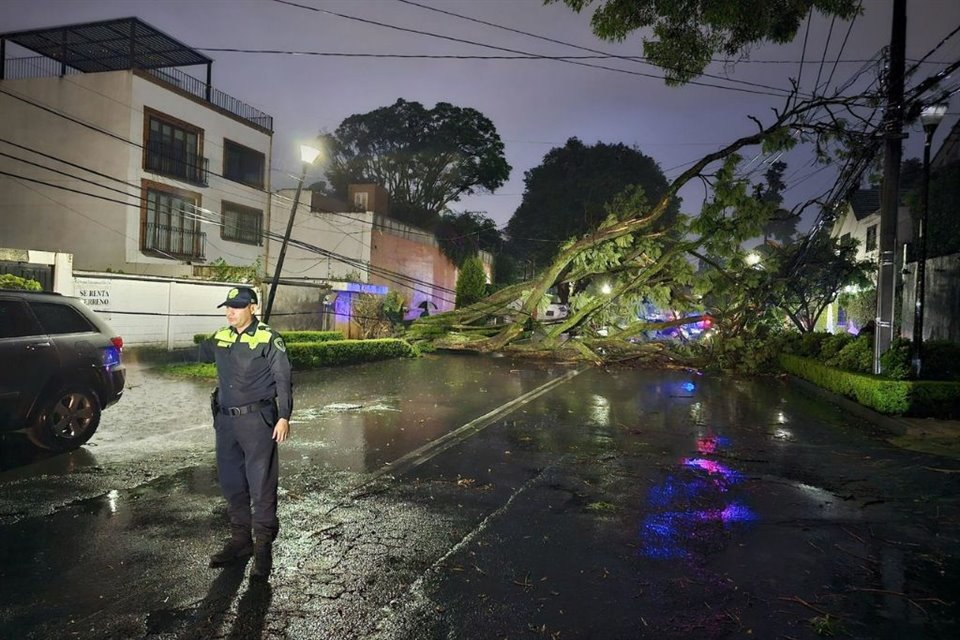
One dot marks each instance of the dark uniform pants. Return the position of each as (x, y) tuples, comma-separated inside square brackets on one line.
[(248, 470)]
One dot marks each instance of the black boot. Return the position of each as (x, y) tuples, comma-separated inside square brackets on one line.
[(237, 548), (262, 559)]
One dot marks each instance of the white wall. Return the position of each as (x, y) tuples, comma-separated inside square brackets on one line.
[(343, 234), (104, 233), (154, 312), (216, 126), (41, 217)]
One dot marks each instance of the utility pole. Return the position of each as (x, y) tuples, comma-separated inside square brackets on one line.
[(890, 193)]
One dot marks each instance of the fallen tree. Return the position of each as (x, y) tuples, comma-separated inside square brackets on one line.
[(636, 260)]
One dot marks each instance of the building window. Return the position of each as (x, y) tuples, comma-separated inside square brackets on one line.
[(871, 238), (361, 201), (174, 148), (241, 224), (169, 224), (243, 164)]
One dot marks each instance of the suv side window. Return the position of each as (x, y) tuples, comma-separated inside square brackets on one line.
[(16, 321), (60, 318)]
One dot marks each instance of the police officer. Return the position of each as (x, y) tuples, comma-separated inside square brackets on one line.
[(252, 409)]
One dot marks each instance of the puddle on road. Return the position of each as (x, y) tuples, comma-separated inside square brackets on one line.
[(309, 414)]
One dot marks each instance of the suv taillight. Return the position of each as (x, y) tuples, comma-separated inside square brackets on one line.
[(117, 342)]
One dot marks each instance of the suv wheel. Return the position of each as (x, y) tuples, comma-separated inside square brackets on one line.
[(68, 419)]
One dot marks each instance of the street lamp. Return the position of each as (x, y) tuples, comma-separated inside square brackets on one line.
[(309, 155), (930, 117)]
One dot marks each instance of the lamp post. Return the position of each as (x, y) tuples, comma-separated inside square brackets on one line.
[(308, 155), (930, 117)]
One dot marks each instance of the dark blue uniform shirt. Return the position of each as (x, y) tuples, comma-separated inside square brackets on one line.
[(251, 366)]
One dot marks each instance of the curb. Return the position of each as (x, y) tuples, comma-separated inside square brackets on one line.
[(889, 424)]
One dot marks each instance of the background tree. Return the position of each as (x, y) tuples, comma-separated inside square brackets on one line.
[(424, 158), (471, 282), (810, 274), (567, 195), (688, 34), (462, 235), (782, 224)]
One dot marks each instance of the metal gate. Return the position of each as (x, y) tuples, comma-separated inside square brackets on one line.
[(42, 273)]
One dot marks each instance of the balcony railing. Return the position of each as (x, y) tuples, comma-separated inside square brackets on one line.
[(198, 88), (43, 67), (35, 67), (170, 160), (167, 241)]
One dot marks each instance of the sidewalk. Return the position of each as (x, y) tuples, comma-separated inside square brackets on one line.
[(924, 435)]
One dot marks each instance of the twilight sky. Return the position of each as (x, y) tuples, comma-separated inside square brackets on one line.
[(535, 104)]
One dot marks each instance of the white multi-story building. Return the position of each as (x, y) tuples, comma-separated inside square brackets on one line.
[(109, 151)]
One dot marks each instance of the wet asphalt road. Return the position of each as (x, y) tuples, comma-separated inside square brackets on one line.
[(474, 497)]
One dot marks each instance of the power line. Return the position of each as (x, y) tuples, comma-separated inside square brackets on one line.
[(515, 51), (639, 59), (823, 58), (200, 213), (843, 44), (519, 56)]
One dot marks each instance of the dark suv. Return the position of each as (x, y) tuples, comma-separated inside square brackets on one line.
[(59, 368)]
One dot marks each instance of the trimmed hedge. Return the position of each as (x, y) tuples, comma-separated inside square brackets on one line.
[(309, 355), (892, 397), (290, 336), (310, 336)]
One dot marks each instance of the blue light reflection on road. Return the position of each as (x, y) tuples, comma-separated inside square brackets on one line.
[(692, 505)]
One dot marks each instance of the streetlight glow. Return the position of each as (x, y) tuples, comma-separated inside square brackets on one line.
[(308, 153), (752, 259), (932, 114), (605, 289)]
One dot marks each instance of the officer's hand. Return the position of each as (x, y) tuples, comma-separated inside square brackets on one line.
[(282, 430)]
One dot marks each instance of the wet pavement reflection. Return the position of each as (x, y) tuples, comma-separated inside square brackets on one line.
[(360, 418), (622, 503)]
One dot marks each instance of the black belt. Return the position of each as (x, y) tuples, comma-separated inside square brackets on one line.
[(247, 408)]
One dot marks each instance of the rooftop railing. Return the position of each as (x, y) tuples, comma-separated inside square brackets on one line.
[(43, 67)]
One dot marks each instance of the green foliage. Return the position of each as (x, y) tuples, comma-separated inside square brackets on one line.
[(567, 195), (291, 336), (781, 226), (304, 355), (810, 273), (683, 36), (471, 282), (201, 370), (10, 281), (462, 235), (892, 397), (325, 352), (860, 307), (832, 345), (825, 625), (746, 354), (394, 308), (811, 344), (895, 361), (884, 396), (424, 158), (220, 271), (856, 355)]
